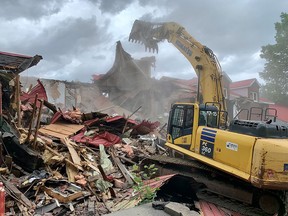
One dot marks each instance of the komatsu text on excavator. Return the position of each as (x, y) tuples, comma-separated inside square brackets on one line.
[(245, 160)]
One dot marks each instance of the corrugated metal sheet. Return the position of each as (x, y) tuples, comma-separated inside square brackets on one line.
[(30, 96), (209, 209), (105, 138), (159, 181)]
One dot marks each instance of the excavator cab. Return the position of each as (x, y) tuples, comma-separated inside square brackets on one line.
[(184, 120), (209, 116)]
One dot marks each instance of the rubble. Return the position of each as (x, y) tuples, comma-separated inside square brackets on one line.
[(66, 162), (76, 162)]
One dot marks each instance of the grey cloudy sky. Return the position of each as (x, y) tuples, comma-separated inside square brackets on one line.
[(77, 38)]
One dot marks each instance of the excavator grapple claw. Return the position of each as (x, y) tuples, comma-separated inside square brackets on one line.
[(142, 32)]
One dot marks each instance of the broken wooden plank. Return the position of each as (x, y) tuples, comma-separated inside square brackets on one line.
[(71, 171), (60, 130), (32, 118), (37, 124), (126, 159), (52, 133), (17, 193), (73, 153), (69, 126), (66, 160), (124, 128), (123, 169)]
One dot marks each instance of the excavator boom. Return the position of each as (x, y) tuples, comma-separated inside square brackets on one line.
[(202, 58)]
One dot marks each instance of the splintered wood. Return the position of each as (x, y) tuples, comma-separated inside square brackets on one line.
[(73, 153)]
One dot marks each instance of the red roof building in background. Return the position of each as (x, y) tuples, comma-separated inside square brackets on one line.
[(243, 83), (246, 88), (281, 112)]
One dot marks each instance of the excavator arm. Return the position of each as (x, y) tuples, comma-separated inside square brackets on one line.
[(254, 158), (201, 57)]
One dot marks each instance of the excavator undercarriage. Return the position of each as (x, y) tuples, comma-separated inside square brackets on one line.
[(214, 186)]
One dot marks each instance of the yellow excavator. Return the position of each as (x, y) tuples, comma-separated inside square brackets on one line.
[(245, 160)]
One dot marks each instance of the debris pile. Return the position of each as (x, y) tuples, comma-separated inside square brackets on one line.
[(78, 162), (58, 162)]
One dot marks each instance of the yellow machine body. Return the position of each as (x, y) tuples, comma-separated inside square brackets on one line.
[(253, 151), (261, 161)]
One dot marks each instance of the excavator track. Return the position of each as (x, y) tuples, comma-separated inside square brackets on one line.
[(230, 204), (217, 187), (179, 161)]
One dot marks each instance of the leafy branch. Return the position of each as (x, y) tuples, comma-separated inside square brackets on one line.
[(145, 192)]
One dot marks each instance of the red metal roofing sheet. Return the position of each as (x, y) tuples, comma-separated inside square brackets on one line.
[(158, 182), (210, 209), (235, 93), (242, 83), (106, 139), (14, 54), (30, 96), (56, 117)]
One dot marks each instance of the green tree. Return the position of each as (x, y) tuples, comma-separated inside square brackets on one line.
[(275, 72)]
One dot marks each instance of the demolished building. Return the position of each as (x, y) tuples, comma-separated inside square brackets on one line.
[(129, 84)]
